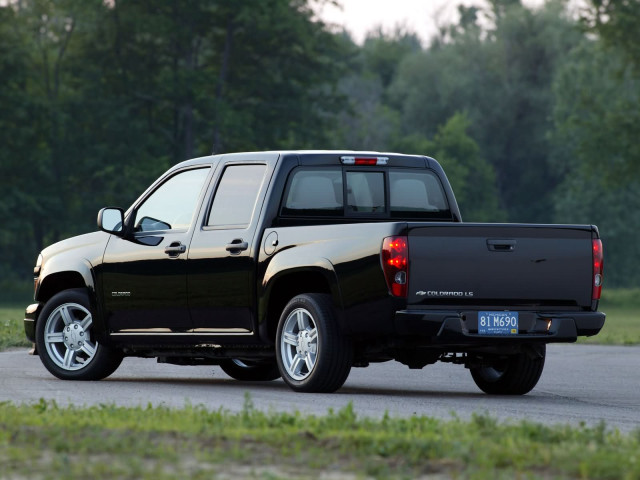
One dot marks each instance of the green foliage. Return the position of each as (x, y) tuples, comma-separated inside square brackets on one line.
[(99, 98), (596, 149), (381, 53), (147, 441), (597, 118), (501, 77), (534, 118), (622, 326), (472, 178), (596, 115), (366, 121), (12, 328), (616, 22)]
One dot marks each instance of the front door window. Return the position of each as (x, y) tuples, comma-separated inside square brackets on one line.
[(173, 204)]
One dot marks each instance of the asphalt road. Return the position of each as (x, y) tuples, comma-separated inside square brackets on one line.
[(580, 383)]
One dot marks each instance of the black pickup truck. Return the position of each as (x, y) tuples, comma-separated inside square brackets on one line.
[(304, 264)]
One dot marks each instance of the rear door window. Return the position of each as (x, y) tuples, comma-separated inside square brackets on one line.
[(236, 196)]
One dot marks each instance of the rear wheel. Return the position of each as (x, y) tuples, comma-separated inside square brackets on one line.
[(250, 371), (312, 353), (514, 375), (65, 340)]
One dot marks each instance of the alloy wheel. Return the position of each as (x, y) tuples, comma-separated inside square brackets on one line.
[(299, 344), (67, 336)]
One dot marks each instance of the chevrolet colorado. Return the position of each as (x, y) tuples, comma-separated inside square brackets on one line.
[(304, 264)]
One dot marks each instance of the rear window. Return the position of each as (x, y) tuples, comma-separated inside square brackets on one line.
[(389, 193), (416, 194), (365, 192), (315, 192)]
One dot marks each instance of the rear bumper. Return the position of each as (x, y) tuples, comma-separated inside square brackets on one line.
[(461, 328)]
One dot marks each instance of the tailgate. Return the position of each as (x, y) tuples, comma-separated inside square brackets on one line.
[(500, 265)]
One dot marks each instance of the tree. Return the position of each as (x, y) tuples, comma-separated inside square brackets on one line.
[(501, 77), (596, 152), (472, 178), (19, 137), (617, 23), (100, 97), (366, 120)]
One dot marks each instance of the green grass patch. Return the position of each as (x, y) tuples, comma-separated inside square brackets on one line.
[(44, 440), (12, 328), (622, 326)]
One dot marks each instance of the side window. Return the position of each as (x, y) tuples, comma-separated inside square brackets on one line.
[(236, 196), (416, 194), (315, 192), (365, 192), (172, 205)]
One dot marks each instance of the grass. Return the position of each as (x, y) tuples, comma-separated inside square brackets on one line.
[(43, 440), (12, 328), (622, 326), (46, 441)]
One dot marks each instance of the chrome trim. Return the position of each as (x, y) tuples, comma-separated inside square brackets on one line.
[(218, 330), (190, 333), (146, 330)]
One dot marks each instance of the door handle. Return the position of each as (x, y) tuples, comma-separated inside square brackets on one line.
[(175, 249), (501, 245), (236, 246)]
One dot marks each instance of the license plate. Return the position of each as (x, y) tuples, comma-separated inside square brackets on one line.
[(498, 323)]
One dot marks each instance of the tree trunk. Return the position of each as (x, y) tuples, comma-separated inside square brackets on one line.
[(224, 72)]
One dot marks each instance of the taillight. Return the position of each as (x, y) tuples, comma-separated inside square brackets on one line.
[(364, 160), (598, 264), (395, 264)]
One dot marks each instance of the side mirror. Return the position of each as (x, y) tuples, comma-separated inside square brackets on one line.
[(111, 220)]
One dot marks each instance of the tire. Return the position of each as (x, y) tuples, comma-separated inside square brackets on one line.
[(75, 356), (516, 375), (250, 371), (312, 353)]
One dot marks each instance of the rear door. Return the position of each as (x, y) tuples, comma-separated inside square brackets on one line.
[(222, 256)]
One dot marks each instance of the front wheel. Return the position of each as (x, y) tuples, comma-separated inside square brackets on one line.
[(250, 371), (65, 340), (313, 355), (514, 375)]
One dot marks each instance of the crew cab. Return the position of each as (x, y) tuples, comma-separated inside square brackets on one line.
[(304, 264)]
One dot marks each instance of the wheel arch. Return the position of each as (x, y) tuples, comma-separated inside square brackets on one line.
[(54, 281), (57, 282), (286, 284)]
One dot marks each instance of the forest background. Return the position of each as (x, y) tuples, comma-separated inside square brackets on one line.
[(534, 113)]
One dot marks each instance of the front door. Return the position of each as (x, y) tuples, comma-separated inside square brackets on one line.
[(144, 275)]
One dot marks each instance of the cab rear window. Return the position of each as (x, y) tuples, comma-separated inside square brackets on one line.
[(416, 194), (316, 192), (345, 192)]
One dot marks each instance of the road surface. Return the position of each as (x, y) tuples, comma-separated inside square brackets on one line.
[(580, 383)]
